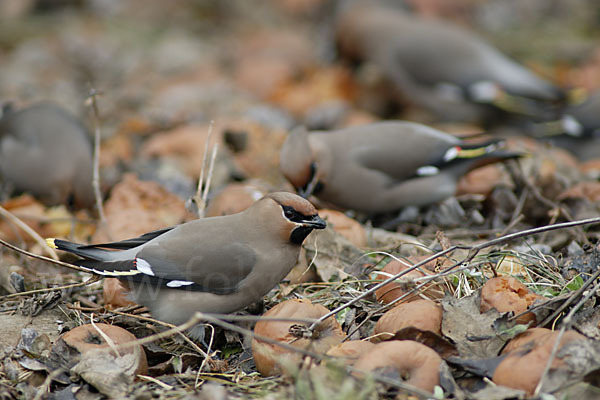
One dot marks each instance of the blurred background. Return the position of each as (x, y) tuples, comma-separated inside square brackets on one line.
[(258, 69)]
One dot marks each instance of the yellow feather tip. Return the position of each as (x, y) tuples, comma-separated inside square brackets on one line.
[(471, 153), (50, 243)]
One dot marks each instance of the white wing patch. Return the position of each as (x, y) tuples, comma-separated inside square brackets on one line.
[(428, 170), (572, 126), (484, 91), (451, 153), (176, 284), (143, 266)]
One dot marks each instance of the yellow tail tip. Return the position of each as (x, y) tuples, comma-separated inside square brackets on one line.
[(50, 243)]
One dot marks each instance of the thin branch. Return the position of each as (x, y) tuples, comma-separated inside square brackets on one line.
[(571, 298), (381, 284), (211, 166), (473, 251), (199, 317), (566, 324), (34, 235), (533, 231), (44, 388), (199, 199), (104, 336), (426, 281), (92, 100), (230, 317), (517, 174), (170, 326), (37, 256), (93, 279), (204, 157), (156, 381), (206, 359)]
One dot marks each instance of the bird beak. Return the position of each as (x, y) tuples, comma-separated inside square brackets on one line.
[(315, 222)]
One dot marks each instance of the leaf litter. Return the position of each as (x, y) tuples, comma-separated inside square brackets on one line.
[(157, 141)]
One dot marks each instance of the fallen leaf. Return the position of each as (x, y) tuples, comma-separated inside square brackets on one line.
[(136, 207), (472, 332), (589, 191)]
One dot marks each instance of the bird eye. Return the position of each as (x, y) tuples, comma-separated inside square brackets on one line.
[(292, 214), (288, 212)]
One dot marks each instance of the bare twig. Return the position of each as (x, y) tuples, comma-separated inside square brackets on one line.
[(473, 251), (206, 359), (211, 166), (518, 175), (37, 256), (170, 326), (199, 317), (426, 281), (156, 381), (34, 235), (93, 279), (204, 158), (566, 324), (519, 208), (230, 317), (381, 284), (317, 356), (571, 298), (45, 387), (199, 199), (92, 99), (104, 336)]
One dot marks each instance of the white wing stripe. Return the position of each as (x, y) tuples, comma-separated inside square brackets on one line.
[(143, 266), (428, 170), (175, 284)]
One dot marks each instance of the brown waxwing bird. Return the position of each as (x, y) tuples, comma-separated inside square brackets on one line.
[(578, 130), (383, 166), (439, 66), (46, 152), (212, 265)]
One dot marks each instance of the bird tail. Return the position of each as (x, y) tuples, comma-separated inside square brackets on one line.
[(467, 151), (468, 156), (538, 106), (485, 153), (78, 249)]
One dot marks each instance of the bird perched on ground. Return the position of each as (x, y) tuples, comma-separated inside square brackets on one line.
[(439, 66), (213, 265), (46, 152), (578, 130), (384, 166)]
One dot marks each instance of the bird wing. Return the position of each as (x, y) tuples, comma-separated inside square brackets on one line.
[(429, 157), (399, 149), (209, 255), (200, 255), (128, 243), (218, 269)]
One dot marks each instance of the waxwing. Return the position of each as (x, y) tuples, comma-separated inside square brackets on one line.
[(212, 265), (46, 151), (439, 66), (578, 130), (383, 166)]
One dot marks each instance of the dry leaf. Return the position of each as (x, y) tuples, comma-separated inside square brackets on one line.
[(136, 207)]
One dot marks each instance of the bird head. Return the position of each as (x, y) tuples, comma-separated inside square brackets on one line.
[(297, 216)]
